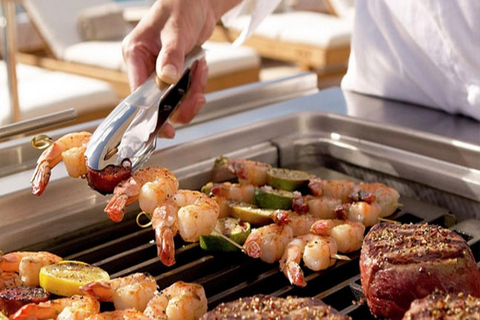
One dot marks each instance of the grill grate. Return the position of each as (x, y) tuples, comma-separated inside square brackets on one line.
[(125, 248)]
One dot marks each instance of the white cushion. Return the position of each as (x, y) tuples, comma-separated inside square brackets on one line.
[(222, 58), (103, 54), (41, 92), (57, 20), (311, 28)]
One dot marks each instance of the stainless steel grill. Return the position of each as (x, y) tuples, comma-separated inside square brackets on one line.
[(438, 180)]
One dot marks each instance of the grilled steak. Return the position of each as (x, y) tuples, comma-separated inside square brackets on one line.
[(441, 306), (264, 307), (12, 299), (401, 263)]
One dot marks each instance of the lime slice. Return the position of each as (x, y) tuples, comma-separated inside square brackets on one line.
[(65, 278), (286, 179), (254, 215), (268, 198), (234, 229), (207, 188)]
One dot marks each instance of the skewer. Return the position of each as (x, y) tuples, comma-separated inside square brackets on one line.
[(218, 233), (144, 225), (340, 257)]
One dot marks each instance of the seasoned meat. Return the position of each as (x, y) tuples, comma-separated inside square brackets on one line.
[(401, 263), (104, 181), (442, 306), (12, 299), (264, 307)]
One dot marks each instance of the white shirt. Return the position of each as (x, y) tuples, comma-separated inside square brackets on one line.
[(425, 52)]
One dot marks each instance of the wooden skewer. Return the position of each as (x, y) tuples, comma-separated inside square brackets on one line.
[(389, 220), (341, 257), (218, 233)]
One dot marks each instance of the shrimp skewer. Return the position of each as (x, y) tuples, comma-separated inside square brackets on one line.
[(347, 234), (71, 148), (181, 300), (132, 291), (77, 307), (127, 314), (128, 191), (360, 211), (190, 213), (27, 265), (300, 223), (379, 194), (268, 242), (340, 189), (250, 172), (317, 253)]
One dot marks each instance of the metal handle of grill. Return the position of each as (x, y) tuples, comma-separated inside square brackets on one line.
[(38, 123)]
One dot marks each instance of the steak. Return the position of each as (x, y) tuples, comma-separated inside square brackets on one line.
[(441, 306), (401, 263), (265, 307)]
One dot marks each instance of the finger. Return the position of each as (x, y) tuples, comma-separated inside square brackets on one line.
[(170, 62), (167, 132), (194, 100)]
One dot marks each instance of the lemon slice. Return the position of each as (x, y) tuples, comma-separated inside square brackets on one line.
[(254, 215), (269, 198), (234, 229), (66, 277), (2, 316), (286, 179)]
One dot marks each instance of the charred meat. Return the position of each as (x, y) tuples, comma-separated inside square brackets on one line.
[(440, 305), (104, 181), (401, 263), (265, 307)]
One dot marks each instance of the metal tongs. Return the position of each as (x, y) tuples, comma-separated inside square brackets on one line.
[(130, 131)]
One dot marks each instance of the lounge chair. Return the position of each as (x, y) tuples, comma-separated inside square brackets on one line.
[(57, 23), (301, 34), (42, 91)]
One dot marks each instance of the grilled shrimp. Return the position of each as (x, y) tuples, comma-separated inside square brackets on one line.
[(197, 214), (300, 223), (132, 291), (9, 279), (71, 148), (190, 213), (127, 314), (234, 191), (249, 172), (181, 300), (128, 191), (165, 225), (360, 211), (268, 242), (317, 253), (27, 264), (77, 307), (385, 196), (347, 234), (340, 189)]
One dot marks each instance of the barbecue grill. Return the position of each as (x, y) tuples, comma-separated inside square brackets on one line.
[(430, 157)]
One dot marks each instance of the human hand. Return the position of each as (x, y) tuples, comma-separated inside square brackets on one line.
[(160, 42)]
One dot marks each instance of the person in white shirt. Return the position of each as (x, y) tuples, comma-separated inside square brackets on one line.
[(425, 52)]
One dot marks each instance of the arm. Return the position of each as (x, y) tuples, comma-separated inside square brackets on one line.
[(161, 40)]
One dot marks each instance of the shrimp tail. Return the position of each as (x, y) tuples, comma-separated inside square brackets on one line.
[(40, 177), (294, 274), (253, 249), (101, 290), (35, 311), (320, 228), (115, 209), (281, 217), (165, 246)]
